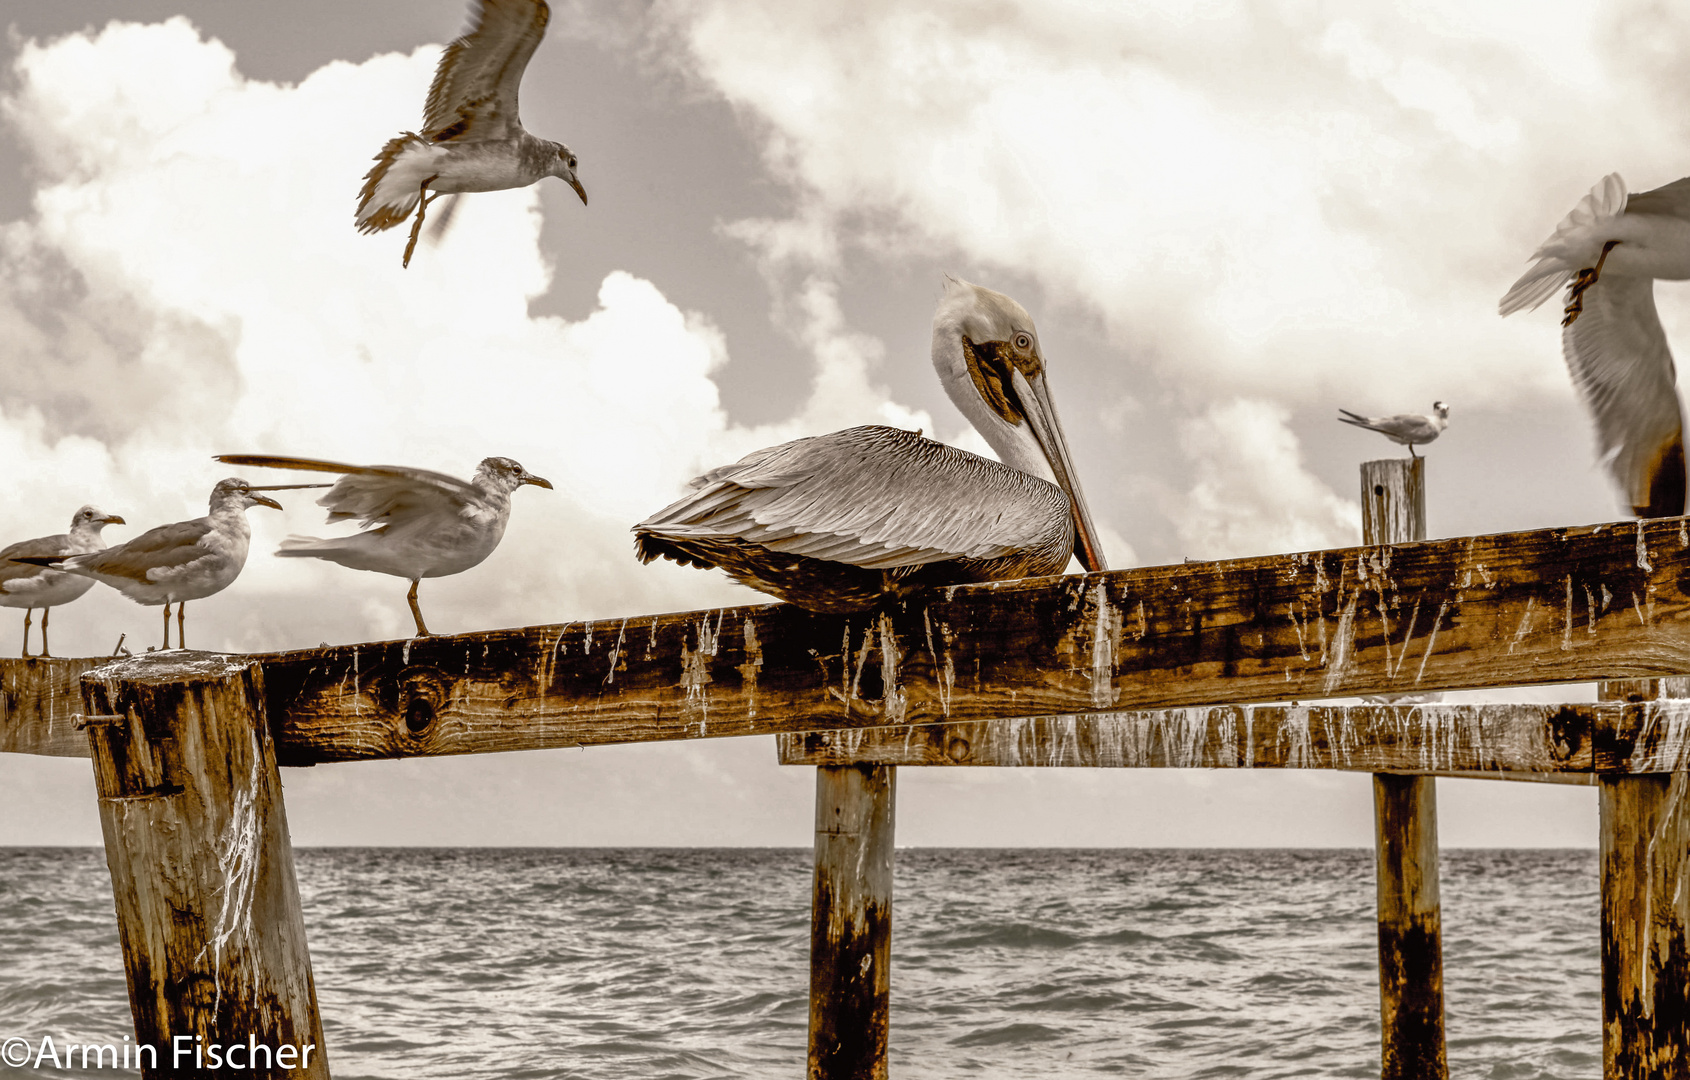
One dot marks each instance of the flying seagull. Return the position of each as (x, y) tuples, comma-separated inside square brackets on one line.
[(29, 586), (173, 564), (416, 523), (1404, 429), (839, 522), (1608, 253), (472, 138)]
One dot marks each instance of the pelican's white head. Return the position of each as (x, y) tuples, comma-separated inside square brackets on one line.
[(986, 351)]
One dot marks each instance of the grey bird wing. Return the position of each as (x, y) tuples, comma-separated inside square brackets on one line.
[(1668, 200), (41, 547), (874, 497), (164, 548), (1618, 356), (474, 95), (378, 494)]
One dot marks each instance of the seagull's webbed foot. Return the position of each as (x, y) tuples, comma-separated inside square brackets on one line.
[(416, 612), (416, 228), (1583, 280)]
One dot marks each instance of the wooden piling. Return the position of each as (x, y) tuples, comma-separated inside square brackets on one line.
[(1645, 825), (1405, 818), (851, 922), (201, 867)]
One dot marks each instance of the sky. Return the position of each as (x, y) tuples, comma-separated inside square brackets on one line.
[(1227, 219)]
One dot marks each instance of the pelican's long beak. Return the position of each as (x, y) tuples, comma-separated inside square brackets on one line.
[(264, 500), (530, 478), (1040, 411)]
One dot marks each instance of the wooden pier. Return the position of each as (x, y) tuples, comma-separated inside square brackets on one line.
[(1184, 666)]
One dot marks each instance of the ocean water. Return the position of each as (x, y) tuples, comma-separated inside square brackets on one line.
[(691, 963)]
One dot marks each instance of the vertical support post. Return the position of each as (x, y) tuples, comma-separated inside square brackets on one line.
[(202, 868), (1645, 825), (1405, 820), (851, 922)]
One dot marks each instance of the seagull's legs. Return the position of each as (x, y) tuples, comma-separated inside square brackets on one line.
[(1411, 452), (167, 624), (181, 606), (1582, 281), (45, 651), (27, 612), (422, 208), (416, 612)]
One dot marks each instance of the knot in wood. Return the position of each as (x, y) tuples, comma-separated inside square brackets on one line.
[(423, 693)]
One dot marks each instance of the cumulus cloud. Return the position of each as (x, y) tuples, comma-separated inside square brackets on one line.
[(1253, 495), (189, 282), (1240, 190)]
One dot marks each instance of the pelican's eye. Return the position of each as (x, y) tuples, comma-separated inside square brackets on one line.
[(1023, 342)]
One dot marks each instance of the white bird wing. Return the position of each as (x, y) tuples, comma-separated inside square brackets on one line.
[(378, 494), (474, 95), (874, 497), (1618, 356), (1575, 244)]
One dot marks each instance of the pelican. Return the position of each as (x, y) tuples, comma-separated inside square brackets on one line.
[(472, 138), (173, 564), (1404, 429), (1608, 252), (842, 522), (417, 524), (29, 587)]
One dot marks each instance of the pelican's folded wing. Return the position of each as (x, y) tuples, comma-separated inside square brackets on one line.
[(475, 87), (1623, 369), (875, 497)]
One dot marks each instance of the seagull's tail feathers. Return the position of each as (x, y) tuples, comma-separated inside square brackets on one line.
[(311, 547), (1357, 419), (1576, 243), (392, 188), (40, 560)]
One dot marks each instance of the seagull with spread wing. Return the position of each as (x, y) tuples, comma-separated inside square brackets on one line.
[(173, 564), (31, 586), (472, 138), (1404, 429), (415, 523), (1608, 253)]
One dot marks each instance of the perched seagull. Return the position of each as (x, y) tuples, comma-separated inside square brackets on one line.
[(416, 523), (1404, 429), (30, 587), (839, 522), (173, 564), (1608, 253), (472, 139)]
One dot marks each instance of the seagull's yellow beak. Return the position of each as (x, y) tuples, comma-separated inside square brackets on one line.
[(113, 519), (264, 500), (581, 191), (537, 481)]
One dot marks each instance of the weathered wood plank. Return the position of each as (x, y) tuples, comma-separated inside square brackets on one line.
[(851, 923), (202, 869), (1549, 606), (1514, 609), (40, 700), (1487, 739)]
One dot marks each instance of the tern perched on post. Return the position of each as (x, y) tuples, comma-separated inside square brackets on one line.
[(841, 522), (173, 564), (1608, 253), (30, 586), (1404, 429), (416, 523), (472, 138)]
